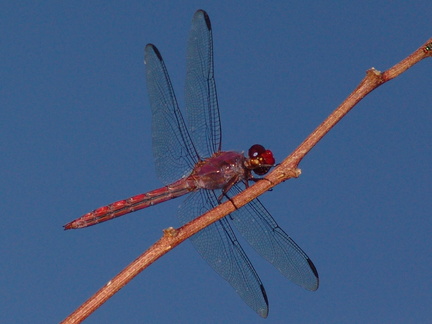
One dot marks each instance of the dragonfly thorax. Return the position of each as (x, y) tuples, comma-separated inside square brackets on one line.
[(221, 170)]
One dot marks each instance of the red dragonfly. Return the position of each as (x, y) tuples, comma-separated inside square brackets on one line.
[(191, 152)]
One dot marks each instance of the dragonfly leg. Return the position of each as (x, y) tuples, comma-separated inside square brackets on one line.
[(227, 188), (228, 197)]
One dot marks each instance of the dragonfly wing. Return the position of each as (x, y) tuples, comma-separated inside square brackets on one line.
[(262, 232), (173, 150), (218, 245), (202, 112)]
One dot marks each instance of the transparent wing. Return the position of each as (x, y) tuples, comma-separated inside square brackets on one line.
[(218, 245), (262, 232), (173, 150), (202, 112)]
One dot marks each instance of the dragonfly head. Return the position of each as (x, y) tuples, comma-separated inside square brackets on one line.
[(260, 160)]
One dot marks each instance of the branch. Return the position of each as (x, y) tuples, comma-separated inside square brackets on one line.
[(286, 170)]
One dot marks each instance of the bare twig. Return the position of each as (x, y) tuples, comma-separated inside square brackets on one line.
[(286, 170)]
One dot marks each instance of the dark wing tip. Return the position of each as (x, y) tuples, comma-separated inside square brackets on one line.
[(314, 270), (206, 18), (154, 49), (264, 312)]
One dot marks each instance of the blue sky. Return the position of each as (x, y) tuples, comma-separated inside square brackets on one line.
[(75, 135)]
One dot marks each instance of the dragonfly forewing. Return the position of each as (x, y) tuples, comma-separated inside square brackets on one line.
[(202, 112)]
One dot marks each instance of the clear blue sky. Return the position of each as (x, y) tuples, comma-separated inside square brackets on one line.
[(75, 135)]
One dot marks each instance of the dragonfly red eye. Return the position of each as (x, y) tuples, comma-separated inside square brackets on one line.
[(268, 157), (256, 150), (261, 159)]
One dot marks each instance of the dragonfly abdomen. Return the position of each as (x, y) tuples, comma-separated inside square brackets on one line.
[(129, 205)]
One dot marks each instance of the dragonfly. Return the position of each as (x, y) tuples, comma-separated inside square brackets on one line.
[(189, 160)]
